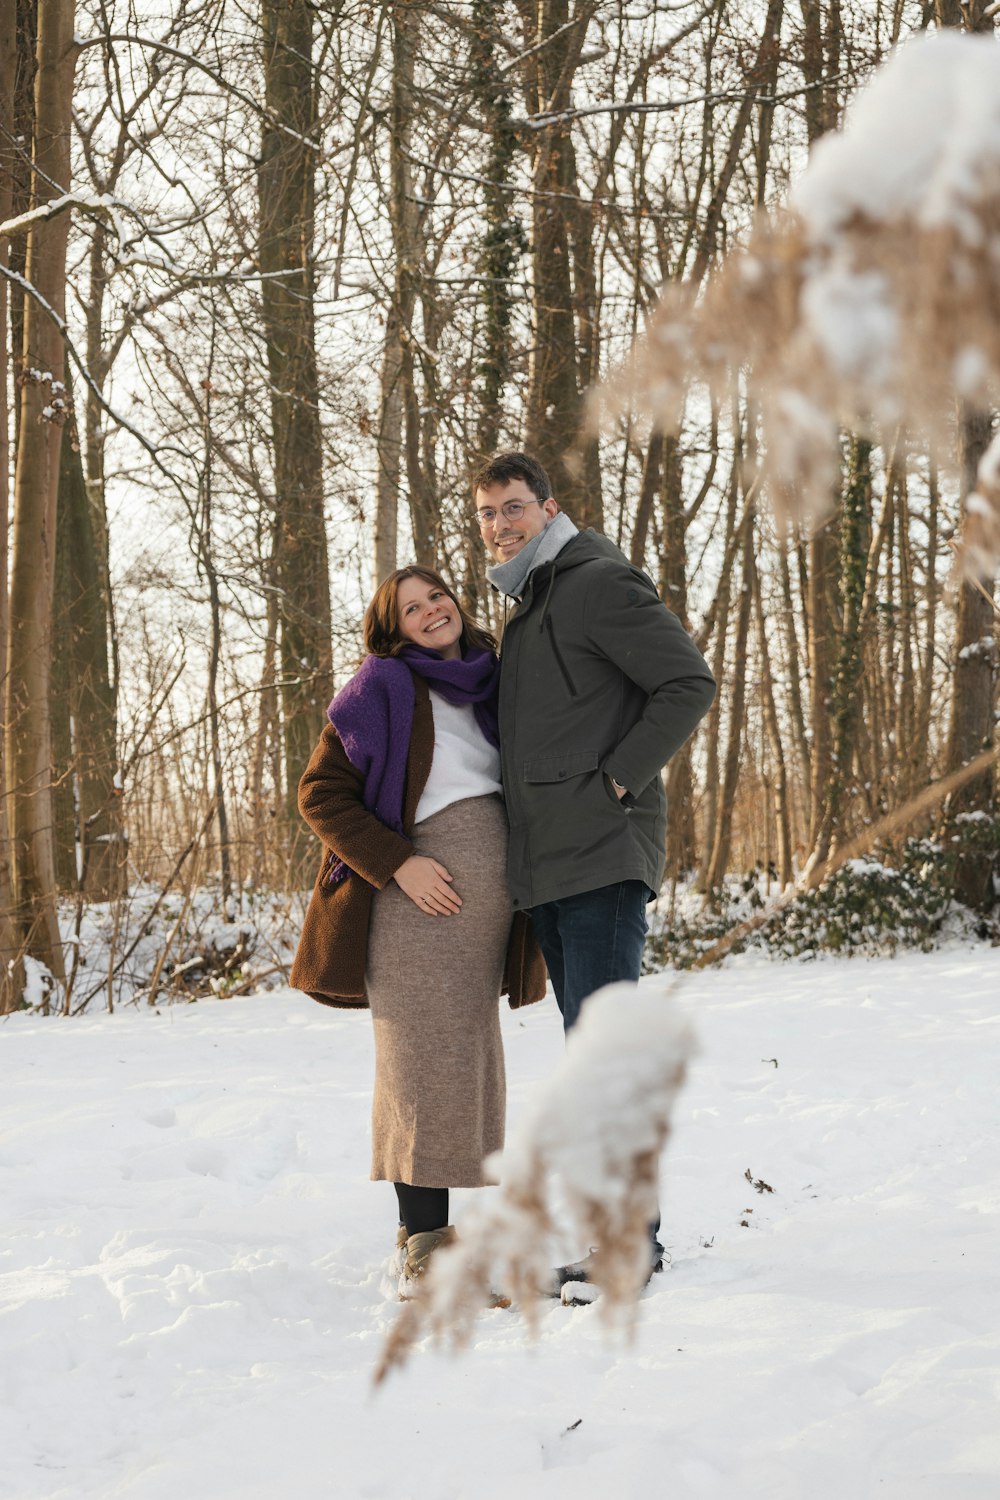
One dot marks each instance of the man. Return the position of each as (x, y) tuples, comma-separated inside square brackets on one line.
[(600, 685)]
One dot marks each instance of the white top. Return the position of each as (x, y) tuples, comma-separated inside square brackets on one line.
[(465, 764)]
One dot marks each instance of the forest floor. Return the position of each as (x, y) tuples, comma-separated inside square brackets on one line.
[(193, 1294)]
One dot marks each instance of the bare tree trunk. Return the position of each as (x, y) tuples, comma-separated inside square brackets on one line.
[(286, 188), (64, 781), (970, 15), (265, 749), (553, 407), (922, 731), (719, 859), (88, 795), (25, 67), (399, 314), (408, 255), (971, 728), (903, 730), (714, 808), (587, 293), (11, 966), (818, 49), (101, 808), (773, 726), (207, 560), (822, 638), (855, 527), (389, 448), (682, 843), (36, 483), (503, 237), (648, 488), (99, 367), (820, 55), (793, 658)]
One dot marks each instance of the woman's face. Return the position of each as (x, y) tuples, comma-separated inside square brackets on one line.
[(428, 617)]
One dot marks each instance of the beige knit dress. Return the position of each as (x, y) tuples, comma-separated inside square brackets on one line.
[(433, 984)]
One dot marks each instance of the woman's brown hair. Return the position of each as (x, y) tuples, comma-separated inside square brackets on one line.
[(381, 624)]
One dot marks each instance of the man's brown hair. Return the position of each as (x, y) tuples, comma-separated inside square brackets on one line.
[(503, 467)]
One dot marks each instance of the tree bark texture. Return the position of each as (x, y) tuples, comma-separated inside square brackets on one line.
[(503, 236), (782, 800), (36, 484), (971, 727), (287, 199), (88, 780), (719, 859), (822, 639), (664, 454), (407, 245), (820, 48), (389, 448), (855, 529), (553, 408), (25, 67), (11, 966), (713, 722)]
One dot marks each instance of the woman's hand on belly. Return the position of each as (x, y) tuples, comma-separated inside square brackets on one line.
[(428, 886)]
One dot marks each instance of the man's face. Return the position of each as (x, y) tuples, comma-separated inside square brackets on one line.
[(504, 536)]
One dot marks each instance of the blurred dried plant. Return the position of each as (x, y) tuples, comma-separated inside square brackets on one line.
[(873, 301), (585, 1155)]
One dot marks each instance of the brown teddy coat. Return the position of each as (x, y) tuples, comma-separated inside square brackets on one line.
[(330, 961)]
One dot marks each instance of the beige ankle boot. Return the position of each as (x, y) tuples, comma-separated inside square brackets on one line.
[(419, 1249)]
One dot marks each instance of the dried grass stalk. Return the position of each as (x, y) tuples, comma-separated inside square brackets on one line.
[(591, 1143), (874, 301)]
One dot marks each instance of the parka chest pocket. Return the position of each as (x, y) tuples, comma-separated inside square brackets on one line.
[(549, 768)]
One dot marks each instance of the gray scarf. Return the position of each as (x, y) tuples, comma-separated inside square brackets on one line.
[(511, 578)]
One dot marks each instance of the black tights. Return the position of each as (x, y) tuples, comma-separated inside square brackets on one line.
[(422, 1208)]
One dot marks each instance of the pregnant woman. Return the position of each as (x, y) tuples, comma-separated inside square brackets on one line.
[(411, 914)]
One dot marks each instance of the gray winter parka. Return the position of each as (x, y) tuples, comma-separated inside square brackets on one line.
[(598, 678)]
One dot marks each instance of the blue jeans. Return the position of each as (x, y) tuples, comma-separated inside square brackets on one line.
[(591, 940)]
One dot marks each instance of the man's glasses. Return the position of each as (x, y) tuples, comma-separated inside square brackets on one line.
[(511, 510)]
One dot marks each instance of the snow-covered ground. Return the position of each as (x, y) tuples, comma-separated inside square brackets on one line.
[(192, 1297)]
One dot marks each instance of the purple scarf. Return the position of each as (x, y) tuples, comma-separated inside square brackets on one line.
[(373, 715)]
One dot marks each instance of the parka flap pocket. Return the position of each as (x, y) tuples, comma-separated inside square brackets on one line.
[(560, 767)]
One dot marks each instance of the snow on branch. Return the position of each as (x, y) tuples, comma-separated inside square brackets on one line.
[(874, 299), (92, 202), (585, 1155)]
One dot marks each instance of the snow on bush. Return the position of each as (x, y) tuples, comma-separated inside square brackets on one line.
[(587, 1152), (874, 300)]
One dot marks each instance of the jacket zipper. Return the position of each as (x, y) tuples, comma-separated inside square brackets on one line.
[(567, 679)]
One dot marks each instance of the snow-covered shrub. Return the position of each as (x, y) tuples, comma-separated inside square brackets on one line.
[(867, 906), (872, 906)]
